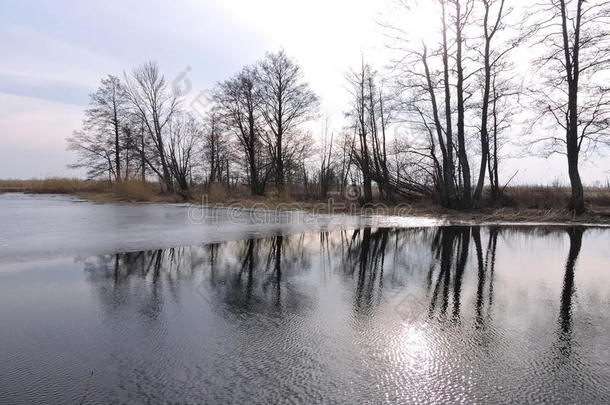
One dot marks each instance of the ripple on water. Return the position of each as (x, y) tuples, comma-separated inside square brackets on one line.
[(367, 316)]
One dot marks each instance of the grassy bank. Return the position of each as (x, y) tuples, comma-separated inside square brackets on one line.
[(521, 203), (96, 190)]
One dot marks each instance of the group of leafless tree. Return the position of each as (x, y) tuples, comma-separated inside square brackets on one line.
[(461, 89), (133, 127), (264, 108), (252, 133), (436, 124)]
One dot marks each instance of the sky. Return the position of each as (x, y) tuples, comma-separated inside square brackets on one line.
[(55, 53)]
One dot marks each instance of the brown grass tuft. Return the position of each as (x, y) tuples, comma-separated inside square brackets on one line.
[(553, 197), (540, 197), (133, 190), (216, 192), (285, 195)]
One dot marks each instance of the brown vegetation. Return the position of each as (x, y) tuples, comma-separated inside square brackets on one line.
[(96, 190), (133, 190), (55, 185), (521, 204)]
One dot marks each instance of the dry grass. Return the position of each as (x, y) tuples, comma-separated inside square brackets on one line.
[(55, 185), (98, 190), (135, 191), (521, 204), (512, 214), (537, 197), (217, 192), (553, 197), (598, 196)]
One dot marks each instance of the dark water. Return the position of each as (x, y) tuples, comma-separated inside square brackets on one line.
[(381, 315)]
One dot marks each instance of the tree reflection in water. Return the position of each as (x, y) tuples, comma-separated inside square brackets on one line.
[(257, 275), (440, 314), (567, 293)]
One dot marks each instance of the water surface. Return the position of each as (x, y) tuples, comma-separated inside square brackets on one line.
[(40, 227), (370, 315)]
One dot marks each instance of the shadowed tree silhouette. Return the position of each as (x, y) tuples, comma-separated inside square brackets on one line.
[(567, 292)]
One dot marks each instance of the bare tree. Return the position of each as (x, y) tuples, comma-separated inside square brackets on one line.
[(359, 114), (461, 18), (137, 146), (422, 79), (424, 73), (492, 20), (575, 35), (447, 146), (344, 155), (380, 114), (438, 76), (238, 100), (298, 147), (286, 102), (326, 170), (504, 105), (107, 114), (501, 34), (95, 153), (214, 147), (370, 117), (184, 133), (101, 144), (154, 104)]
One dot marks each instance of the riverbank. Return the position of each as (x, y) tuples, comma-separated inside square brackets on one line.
[(526, 203), (426, 210)]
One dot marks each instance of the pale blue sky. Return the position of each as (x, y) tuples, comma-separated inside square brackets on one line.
[(58, 50), (55, 52)]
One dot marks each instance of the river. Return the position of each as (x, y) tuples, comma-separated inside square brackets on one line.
[(109, 303)]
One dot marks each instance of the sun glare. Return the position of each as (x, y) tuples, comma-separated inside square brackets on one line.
[(421, 22)]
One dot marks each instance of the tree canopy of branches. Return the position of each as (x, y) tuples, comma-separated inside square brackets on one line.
[(450, 88), (238, 100), (153, 104), (99, 144), (257, 118), (286, 102), (574, 93), (185, 133)]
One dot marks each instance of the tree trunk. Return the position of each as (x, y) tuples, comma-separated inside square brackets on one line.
[(577, 200), (167, 177), (445, 183), (467, 188), (117, 147), (448, 163), (142, 157), (484, 114)]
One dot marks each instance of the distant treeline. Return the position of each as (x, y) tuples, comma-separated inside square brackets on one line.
[(436, 124)]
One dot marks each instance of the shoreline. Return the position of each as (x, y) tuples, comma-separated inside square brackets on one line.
[(35, 224), (597, 215), (515, 215)]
